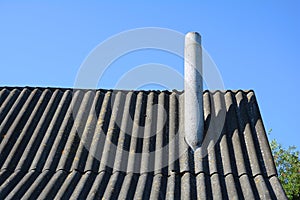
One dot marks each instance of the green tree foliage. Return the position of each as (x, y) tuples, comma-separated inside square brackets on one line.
[(288, 166)]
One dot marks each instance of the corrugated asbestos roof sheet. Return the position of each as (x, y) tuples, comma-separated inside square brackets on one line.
[(94, 144)]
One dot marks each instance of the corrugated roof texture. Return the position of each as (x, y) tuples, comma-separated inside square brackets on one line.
[(114, 144)]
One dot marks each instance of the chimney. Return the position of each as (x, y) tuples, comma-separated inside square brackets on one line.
[(193, 89)]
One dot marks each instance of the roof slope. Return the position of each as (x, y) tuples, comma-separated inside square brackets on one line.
[(62, 143)]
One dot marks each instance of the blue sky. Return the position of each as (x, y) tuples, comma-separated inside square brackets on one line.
[(254, 44)]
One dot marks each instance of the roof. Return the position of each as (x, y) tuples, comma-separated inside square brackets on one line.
[(63, 143)]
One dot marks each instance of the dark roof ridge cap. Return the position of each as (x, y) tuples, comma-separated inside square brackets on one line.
[(235, 91)]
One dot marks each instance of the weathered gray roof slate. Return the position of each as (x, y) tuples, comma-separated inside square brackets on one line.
[(64, 143)]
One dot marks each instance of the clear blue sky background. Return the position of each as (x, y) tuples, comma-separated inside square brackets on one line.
[(254, 44)]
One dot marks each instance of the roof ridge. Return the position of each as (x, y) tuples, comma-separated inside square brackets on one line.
[(122, 90)]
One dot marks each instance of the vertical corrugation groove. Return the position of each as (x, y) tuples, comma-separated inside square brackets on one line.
[(3, 94), (246, 187), (213, 145), (115, 126), (4, 174), (10, 183), (80, 158), (53, 185), (183, 148), (13, 133), (54, 134), (10, 117), (244, 127), (10, 108), (225, 156), (193, 186), (15, 113), (158, 188), (133, 160), (200, 156), (44, 150), (259, 133), (144, 186), (231, 191), (110, 144), (225, 144), (232, 134), (99, 186), (177, 191), (165, 134), (212, 161), (117, 185), (236, 139), (67, 188), (206, 110), (261, 187), (170, 192), (7, 104), (277, 188), (216, 187), (240, 127), (217, 135), (38, 185), (26, 132), (35, 139), (269, 187), (102, 130), (124, 137), (140, 134), (96, 148), (202, 186), (148, 131), (84, 185), (73, 140), (155, 130), (173, 134), (186, 187), (114, 186), (160, 159), (128, 187), (22, 186)]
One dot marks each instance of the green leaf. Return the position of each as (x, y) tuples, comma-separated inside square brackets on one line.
[(288, 167)]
